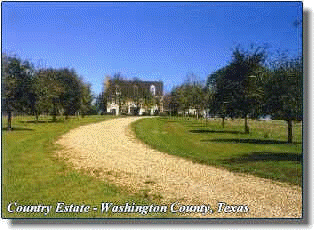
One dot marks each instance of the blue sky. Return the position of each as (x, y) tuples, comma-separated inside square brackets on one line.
[(149, 40)]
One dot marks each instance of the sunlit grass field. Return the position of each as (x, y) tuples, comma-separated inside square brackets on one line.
[(32, 175), (264, 152)]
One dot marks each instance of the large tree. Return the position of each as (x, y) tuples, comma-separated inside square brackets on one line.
[(71, 98), (238, 88), (101, 103), (8, 88), (86, 99), (220, 101), (284, 92), (49, 92), (17, 78)]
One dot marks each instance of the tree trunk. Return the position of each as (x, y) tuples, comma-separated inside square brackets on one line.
[(246, 125), (223, 118), (54, 112), (290, 133), (9, 120), (36, 116)]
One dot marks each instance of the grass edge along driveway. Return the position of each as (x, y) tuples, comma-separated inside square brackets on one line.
[(33, 175), (264, 152)]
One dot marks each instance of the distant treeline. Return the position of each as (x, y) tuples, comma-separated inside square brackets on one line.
[(248, 87)]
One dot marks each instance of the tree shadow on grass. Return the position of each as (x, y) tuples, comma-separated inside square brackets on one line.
[(266, 156), (41, 121), (249, 141), (163, 118), (18, 129), (215, 131), (171, 121), (200, 126)]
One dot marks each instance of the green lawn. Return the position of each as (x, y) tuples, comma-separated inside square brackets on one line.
[(32, 175), (264, 152)]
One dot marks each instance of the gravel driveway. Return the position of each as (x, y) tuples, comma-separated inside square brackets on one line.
[(110, 151)]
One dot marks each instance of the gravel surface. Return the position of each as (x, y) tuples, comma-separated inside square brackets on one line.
[(110, 151)]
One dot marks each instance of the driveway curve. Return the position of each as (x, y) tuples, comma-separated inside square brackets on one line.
[(109, 150)]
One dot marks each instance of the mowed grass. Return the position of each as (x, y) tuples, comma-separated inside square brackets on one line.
[(33, 175), (264, 152)]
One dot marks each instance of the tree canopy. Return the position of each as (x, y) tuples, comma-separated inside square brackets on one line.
[(250, 87), (31, 91)]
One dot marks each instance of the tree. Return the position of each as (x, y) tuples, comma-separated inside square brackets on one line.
[(32, 92), (71, 97), (8, 86), (39, 96), (170, 103), (191, 95), (220, 99), (148, 99), (117, 76), (181, 98), (101, 102), (284, 92), (86, 99), (17, 77), (247, 92), (119, 95), (237, 86), (50, 91)]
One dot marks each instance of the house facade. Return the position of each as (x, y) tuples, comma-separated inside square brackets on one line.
[(133, 97)]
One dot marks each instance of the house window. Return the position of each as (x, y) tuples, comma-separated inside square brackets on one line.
[(152, 90), (117, 90), (135, 90)]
